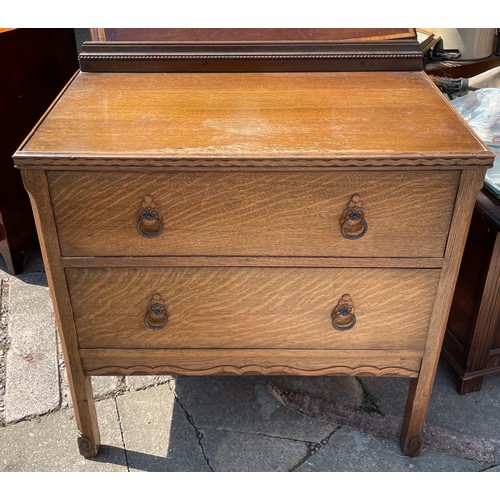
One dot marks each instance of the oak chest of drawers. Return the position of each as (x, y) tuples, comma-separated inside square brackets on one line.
[(301, 223)]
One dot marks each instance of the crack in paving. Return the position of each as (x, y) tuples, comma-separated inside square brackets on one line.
[(313, 448), (263, 434), (490, 467), (198, 432), (121, 434), (369, 403)]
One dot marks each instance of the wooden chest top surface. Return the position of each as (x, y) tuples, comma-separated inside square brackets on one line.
[(253, 115)]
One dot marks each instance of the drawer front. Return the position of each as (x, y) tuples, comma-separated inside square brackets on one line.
[(270, 308), (396, 214)]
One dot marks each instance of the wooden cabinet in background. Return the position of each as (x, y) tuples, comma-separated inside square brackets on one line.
[(472, 342), (35, 64)]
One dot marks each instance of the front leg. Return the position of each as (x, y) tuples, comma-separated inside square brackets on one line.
[(412, 439), (89, 439)]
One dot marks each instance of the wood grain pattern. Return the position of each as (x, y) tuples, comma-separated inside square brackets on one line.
[(273, 214), (308, 115), (252, 307), (199, 163), (250, 362), (197, 261), (421, 388), (98, 34), (80, 385)]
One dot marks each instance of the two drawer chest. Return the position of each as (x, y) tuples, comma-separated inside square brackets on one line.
[(233, 223)]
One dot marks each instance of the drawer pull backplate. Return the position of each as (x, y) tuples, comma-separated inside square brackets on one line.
[(156, 316), (149, 224), (343, 317), (352, 223)]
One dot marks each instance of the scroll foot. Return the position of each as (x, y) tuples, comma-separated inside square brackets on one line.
[(86, 447)]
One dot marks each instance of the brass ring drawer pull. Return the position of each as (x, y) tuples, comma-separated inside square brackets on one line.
[(157, 315), (149, 224), (352, 223), (343, 317)]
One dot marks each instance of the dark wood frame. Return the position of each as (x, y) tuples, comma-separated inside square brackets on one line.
[(472, 341), (235, 35), (256, 49)]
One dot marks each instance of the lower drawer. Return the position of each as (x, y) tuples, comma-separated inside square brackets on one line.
[(264, 308)]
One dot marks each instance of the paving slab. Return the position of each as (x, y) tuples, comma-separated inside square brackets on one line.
[(244, 404), (496, 468), (32, 378), (139, 382), (243, 452), (389, 393), (352, 451), (346, 391), (4, 339), (48, 444), (105, 387), (475, 414), (157, 433)]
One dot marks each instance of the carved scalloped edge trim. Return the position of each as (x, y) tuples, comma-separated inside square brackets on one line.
[(252, 369), (30, 160), (411, 55)]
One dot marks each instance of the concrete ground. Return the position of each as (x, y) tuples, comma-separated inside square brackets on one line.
[(203, 423)]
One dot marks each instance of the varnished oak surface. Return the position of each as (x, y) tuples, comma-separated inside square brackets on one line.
[(252, 307), (301, 362), (223, 261), (282, 115), (273, 214)]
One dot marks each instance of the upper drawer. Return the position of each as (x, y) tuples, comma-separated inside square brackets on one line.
[(403, 214)]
